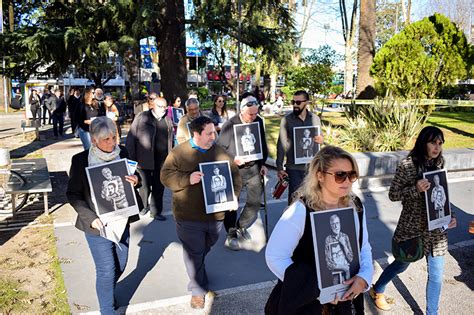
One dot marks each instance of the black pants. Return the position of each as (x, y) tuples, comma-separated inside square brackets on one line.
[(72, 119), (151, 184), (36, 112), (58, 119), (45, 110)]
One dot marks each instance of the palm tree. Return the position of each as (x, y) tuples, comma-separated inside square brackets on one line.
[(366, 52)]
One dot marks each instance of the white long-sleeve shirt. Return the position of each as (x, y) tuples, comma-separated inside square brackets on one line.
[(287, 234)]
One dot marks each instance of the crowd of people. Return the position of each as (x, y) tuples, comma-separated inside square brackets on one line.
[(168, 154)]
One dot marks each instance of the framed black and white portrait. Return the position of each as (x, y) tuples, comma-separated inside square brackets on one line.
[(248, 142), (113, 197), (304, 147), (438, 208), (217, 186), (189, 129), (178, 113), (336, 249)]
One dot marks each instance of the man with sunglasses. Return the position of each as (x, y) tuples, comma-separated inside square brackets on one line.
[(299, 117), (250, 172)]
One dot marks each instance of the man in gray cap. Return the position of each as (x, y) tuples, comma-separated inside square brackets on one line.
[(250, 172)]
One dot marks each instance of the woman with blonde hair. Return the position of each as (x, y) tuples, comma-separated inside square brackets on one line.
[(290, 252)]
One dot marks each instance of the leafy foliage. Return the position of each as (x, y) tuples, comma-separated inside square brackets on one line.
[(424, 57), (387, 125), (315, 74)]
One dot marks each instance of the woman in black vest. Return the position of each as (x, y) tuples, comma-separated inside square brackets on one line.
[(290, 252)]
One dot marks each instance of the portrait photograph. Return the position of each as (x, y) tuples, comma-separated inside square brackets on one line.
[(336, 249), (217, 186), (178, 113), (113, 197), (248, 142), (303, 143), (438, 208)]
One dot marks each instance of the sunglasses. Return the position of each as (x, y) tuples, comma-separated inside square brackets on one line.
[(298, 102), (341, 176), (220, 101)]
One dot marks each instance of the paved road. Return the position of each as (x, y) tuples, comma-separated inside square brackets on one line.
[(155, 279)]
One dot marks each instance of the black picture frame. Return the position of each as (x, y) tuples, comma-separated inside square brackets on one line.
[(337, 257), (248, 141), (218, 186), (438, 207), (114, 198), (177, 114), (304, 147)]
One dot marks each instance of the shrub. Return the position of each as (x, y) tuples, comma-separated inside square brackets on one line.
[(386, 125)]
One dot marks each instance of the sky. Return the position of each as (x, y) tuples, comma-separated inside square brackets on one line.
[(326, 28)]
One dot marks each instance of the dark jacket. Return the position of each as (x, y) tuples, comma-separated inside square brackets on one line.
[(140, 141), (57, 104), (227, 139), (86, 112), (35, 101), (79, 195)]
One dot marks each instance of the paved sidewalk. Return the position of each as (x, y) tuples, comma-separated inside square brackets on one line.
[(155, 280)]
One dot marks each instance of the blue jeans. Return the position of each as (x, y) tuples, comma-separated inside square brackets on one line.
[(433, 286), (110, 261), (85, 137)]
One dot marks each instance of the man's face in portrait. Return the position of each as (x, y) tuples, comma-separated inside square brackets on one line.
[(335, 224)]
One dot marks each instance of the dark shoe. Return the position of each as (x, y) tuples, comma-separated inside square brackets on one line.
[(159, 217), (144, 211), (197, 302)]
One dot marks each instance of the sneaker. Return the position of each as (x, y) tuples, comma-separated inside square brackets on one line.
[(144, 211), (243, 234), (231, 240), (232, 243), (379, 300), (197, 301)]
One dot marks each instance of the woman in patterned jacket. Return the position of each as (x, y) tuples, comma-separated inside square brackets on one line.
[(409, 186)]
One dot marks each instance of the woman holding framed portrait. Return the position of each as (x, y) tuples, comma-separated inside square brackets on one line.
[(409, 187), (290, 253), (110, 258)]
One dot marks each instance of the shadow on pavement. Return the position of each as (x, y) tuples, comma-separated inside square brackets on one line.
[(151, 250)]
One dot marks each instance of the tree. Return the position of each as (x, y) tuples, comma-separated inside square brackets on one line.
[(366, 52), (388, 21), (315, 74), (348, 32), (424, 57)]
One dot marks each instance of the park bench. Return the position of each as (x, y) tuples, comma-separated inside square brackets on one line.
[(34, 176)]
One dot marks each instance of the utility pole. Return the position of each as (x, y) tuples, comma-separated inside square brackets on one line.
[(237, 101)]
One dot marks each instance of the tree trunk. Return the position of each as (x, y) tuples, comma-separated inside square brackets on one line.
[(171, 41), (258, 70), (348, 67), (366, 52), (273, 80), (406, 11), (130, 59)]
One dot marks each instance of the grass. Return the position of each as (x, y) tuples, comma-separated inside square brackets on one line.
[(458, 128), (12, 298)]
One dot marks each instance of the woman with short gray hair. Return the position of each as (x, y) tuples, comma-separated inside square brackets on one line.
[(109, 258)]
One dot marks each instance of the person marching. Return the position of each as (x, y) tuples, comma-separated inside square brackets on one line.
[(149, 141), (409, 187), (300, 116), (290, 251), (197, 230), (251, 173)]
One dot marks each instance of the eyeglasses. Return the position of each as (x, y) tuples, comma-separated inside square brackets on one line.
[(298, 102), (220, 101), (341, 176)]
